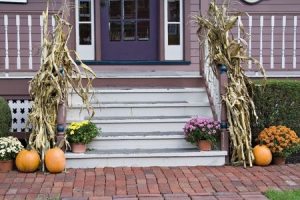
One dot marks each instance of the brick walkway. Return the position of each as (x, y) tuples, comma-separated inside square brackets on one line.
[(152, 183)]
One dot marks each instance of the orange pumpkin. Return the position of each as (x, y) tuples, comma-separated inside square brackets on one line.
[(262, 155), (55, 160), (28, 160)]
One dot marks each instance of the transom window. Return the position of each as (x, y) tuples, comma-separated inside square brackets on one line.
[(129, 20)]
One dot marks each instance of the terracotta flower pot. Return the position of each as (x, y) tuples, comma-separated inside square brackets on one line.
[(205, 145), (278, 160), (6, 165), (78, 148)]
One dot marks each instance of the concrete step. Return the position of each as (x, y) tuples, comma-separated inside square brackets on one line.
[(141, 142), (141, 109), (145, 95), (145, 158), (146, 134), (142, 124)]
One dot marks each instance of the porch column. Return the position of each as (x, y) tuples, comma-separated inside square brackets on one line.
[(61, 124), (224, 124)]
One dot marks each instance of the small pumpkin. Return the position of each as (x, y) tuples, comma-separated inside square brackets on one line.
[(262, 155), (28, 160), (55, 160)]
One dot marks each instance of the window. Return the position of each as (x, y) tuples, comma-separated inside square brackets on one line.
[(14, 1), (129, 20), (85, 29), (173, 30)]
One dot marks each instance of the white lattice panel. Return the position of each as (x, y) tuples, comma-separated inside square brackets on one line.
[(19, 112)]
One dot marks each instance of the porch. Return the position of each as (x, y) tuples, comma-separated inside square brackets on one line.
[(178, 91)]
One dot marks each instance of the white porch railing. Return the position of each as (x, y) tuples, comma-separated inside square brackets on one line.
[(21, 36), (273, 40), (212, 86)]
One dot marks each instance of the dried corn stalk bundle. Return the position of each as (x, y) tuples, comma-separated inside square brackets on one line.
[(225, 49), (50, 86)]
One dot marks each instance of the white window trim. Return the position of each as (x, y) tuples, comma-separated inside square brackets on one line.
[(86, 52), (173, 52), (14, 1)]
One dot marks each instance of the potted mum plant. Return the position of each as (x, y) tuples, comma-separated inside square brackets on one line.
[(202, 131), (81, 133), (282, 142), (9, 148)]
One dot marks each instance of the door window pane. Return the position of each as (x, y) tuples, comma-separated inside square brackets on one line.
[(85, 34), (173, 10), (85, 10), (143, 29), (129, 30), (115, 31), (143, 9), (115, 9), (129, 20), (174, 34), (129, 9)]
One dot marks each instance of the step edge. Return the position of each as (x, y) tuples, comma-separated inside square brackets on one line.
[(163, 137), (128, 121), (148, 105), (147, 155), (150, 90)]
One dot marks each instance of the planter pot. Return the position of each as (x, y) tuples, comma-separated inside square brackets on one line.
[(205, 145), (6, 165), (278, 160), (78, 148)]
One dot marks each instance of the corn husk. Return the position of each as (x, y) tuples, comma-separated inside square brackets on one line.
[(225, 49), (51, 85)]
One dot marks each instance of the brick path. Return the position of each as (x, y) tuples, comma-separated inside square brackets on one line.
[(151, 183)]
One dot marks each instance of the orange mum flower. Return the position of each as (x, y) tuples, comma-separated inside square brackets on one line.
[(278, 138)]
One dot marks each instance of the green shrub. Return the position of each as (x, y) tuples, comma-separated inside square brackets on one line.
[(277, 103), (5, 118)]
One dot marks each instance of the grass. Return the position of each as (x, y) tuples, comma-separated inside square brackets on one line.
[(286, 195)]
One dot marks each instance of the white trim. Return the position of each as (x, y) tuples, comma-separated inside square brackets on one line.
[(250, 42), (30, 41), (6, 41), (275, 74), (86, 52), (18, 42), (283, 42), (295, 43), (173, 52), (14, 1)]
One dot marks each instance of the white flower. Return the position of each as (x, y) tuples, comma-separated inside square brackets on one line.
[(9, 147)]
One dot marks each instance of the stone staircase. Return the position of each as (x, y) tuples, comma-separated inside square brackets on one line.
[(143, 127)]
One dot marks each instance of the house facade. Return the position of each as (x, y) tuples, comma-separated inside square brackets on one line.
[(148, 59)]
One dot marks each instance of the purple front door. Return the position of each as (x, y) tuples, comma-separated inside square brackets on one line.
[(129, 29)]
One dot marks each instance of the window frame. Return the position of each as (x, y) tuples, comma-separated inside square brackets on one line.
[(86, 52), (173, 52), (13, 1)]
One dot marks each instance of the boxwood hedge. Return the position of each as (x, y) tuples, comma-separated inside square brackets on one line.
[(5, 118), (277, 103)]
